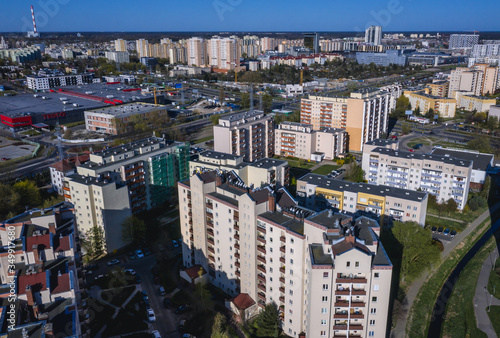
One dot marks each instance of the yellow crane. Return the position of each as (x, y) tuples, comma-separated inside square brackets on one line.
[(155, 90)]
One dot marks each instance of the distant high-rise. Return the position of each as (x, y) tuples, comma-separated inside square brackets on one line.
[(311, 41), (458, 41), (224, 52), (142, 48), (120, 45), (373, 35), (196, 52)]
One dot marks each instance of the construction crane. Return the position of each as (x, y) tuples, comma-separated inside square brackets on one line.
[(155, 90)]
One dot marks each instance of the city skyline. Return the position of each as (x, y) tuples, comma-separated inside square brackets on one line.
[(238, 15)]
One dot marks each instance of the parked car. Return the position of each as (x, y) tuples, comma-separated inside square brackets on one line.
[(138, 278), (145, 295), (453, 233), (440, 230), (411, 150), (446, 231), (151, 316), (132, 256), (433, 229), (156, 334), (130, 271), (181, 309), (162, 291), (175, 244), (113, 262), (187, 335), (139, 253), (182, 323)]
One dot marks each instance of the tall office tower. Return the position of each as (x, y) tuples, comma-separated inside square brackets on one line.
[(120, 181), (458, 41), (142, 48), (364, 115), (196, 52), (224, 53), (328, 273), (373, 35), (120, 45), (267, 43), (250, 134), (311, 41)]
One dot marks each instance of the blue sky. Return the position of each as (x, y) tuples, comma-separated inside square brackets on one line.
[(250, 15)]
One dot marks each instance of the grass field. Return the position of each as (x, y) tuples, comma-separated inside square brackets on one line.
[(325, 169), (440, 222), (494, 315), (494, 281)]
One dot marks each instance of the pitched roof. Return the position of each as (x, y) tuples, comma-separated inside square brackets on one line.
[(62, 166), (62, 244), (37, 281), (243, 301), (192, 272), (42, 242), (60, 284), (348, 244)]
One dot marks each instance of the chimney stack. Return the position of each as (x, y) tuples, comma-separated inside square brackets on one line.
[(36, 254), (218, 180), (271, 202), (52, 228), (29, 295), (350, 239)]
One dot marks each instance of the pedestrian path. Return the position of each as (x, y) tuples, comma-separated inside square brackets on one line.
[(483, 299)]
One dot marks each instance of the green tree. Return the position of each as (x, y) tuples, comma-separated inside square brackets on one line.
[(430, 114), (406, 129), (93, 242), (119, 125), (417, 249), (450, 206), (477, 202), (481, 144), (222, 95), (219, 327), (245, 100), (133, 230), (139, 123), (354, 173), (215, 119), (402, 104), (267, 323), (267, 101), (416, 112), (29, 195), (492, 123), (9, 200)]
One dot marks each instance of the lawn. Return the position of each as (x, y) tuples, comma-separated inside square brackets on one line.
[(125, 322), (99, 314), (462, 216), (203, 140), (459, 319), (117, 296), (325, 169), (426, 141), (297, 163), (494, 315), (494, 281), (440, 222)]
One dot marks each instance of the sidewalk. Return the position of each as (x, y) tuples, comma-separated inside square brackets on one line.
[(483, 298)]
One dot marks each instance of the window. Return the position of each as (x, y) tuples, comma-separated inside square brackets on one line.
[(323, 333), (324, 311), (325, 274), (376, 275), (348, 264), (323, 321), (324, 299), (357, 264), (291, 261), (375, 287), (372, 322), (373, 311), (374, 299), (371, 334), (291, 292)]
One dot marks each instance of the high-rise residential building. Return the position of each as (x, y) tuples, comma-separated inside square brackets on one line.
[(364, 115), (124, 180), (267, 43), (196, 52), (250, 45), (442, 176), (250, 134), (142, 48), (300, 140), (373, 35), (118, 57), (311, 41), (478, 80), (460, 41), (166, 41), (327, 273), (224, 53), (443, 106), (440, 88), (318, 192), (120, 45)]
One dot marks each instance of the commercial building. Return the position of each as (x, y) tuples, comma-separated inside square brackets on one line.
[(373, 35), (113, 120), (472, 102), (326, 272), (65, 168), (390, 57), (481, 163), (41, 272), (318, 192), (118, 57), (462, 41), (250, 134), (442, 176), (48, 82), (300, 140), (443, 106), (121, 181), (267, 170), (364, 115)]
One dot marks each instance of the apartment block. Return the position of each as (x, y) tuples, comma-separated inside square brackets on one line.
[(107, 120), (120, 45), (442, 176), (328, 273), (373, 35), (224, 53), (142, 48), (459, 41), (250, 134), (41, 272), (443, 106), (118, 57), (120, 181), (477, 103), (300, 140), (196, 52), (364, 115), (440, 88), (318, 192), (264, 171), (478, 80), (47, 82), (64, 168)]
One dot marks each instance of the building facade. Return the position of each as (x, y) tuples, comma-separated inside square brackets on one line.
[(477, 103), (445, 107), (48, 82), (373, 35), (461, 41)]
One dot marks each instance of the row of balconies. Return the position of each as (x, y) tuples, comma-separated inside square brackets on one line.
[(341, 314)]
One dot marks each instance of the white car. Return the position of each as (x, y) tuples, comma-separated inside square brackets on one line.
[(156, 334), (151, 316), (139, 253), (130, 271)]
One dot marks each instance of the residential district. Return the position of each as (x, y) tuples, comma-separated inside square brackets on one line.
[(249, 185)]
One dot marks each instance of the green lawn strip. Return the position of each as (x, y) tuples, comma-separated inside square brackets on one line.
[(494, 315), (459, 318), (203, 140), (462, 216), (444, 223), (295, 162), (494, 281), (421, 310), (100, 314), (117, 296), (325, 169)]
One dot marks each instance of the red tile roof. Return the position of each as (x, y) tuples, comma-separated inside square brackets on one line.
[(70, 163), (243, 301), (38, 282), (62, 284), (64, 244), (192, 272), (42, 242)]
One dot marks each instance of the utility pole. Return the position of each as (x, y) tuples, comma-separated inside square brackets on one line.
[(60, 151)]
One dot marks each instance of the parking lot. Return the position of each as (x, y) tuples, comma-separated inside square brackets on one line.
[(14, 149)]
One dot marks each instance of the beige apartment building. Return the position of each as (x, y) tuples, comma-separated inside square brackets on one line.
[(440, 88), (196, 52), (364, 115), (250, 134), (318, 192), (478, 80), (224, 53), (327, 273), (443, 106), (300, 140), (477, 103), (120, 45), (142, 47)]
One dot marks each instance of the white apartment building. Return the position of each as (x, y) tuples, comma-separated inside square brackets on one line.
[(250, 134), (196, 52), (328, 274), (64, 168), (373, 35), (224, 53), (478, 80), (460, 41), (142, 47), (442, 176), (120, 45), (318, 192), (300, 140), (47, 82), (118, 57)]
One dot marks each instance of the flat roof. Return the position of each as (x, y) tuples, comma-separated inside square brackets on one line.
[(480, 161), (284, 220), (239, 116), (437, 157), (218, 155), (224, 198), (378, 190), (268, 163), (328, 219), (319, 256), (128, 109), (381, 142)]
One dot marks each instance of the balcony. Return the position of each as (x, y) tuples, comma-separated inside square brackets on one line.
[(210, 249), (282, 289), (283, 239), (237, 255), (210, 232), (210, 240), (191, 230), (210, 215), (236, 216), (262, 296), (261, 229), (357, 304), (237, 264), (261, 268), (261, 278), (261, 287), (342, 303), (340, 327), (341, 315), (261, 249), (283, 249), (237, 246), (261, 259), (354, 327), (210, 224), (237, 237), (282, 299), (344, 292), (211, 258), (347, 279), (282, 279), (282, 269), (261, 239), (209, 205), (358, 315), (358, 293), (282, 259), (237, 273), (236, 227)]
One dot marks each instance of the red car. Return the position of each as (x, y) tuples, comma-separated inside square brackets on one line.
[(411, 150)]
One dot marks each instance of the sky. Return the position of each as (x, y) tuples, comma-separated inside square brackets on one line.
[(249, 15)]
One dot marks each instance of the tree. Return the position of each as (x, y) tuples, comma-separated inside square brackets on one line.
[(267, 101), (432, 203), (93, 242), (29, 195), (477, 202), (219, 327), (402, 104), (430, 114), (354, 173), (133, 230), (481, 144), (245, 100), (406, 129), (267, 323), (492, 123), (417, 249), (222, 96), (215, 119), (416, 112), (450, 206)]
